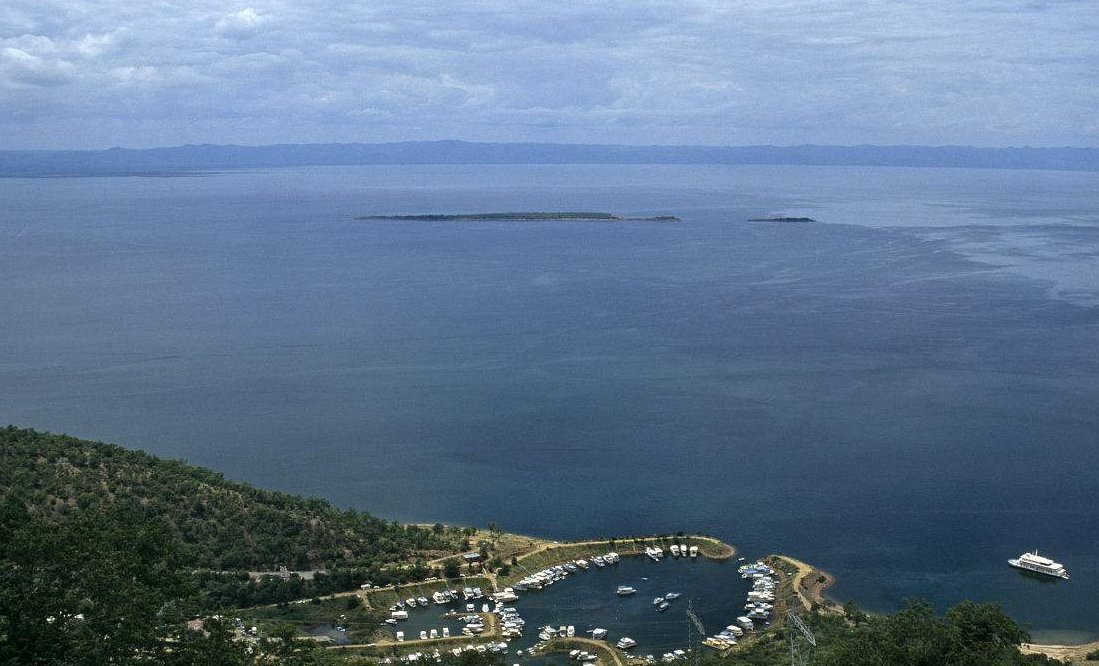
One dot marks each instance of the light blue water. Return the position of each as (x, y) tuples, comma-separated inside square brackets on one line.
[(904, 393)]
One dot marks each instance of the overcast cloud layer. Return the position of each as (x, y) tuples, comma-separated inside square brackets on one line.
[(100, 73)]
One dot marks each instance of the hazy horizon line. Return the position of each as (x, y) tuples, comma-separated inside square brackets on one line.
[(190, 158), (213, 144)]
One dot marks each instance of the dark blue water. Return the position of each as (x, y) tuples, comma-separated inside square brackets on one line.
[(904, 393)]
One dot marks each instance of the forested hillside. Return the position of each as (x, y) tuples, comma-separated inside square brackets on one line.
[(220, 524)]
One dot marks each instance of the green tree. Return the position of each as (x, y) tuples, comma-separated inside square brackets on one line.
[(100, 587)]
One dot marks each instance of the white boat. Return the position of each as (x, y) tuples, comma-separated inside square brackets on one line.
[(745, 623), (391, 620), (1038, 564), (683, 549), (570, 631), (625, 591), (422, 601), (598, 634), (663, 606), (672, 596), (434, 633), (625, 643), (598, 559), (400, 615), (612, 558), (675, 550), (440, 597), (400, 635), (446, 632), (694, 551), (583, 564), (410, 602), (423, 635)]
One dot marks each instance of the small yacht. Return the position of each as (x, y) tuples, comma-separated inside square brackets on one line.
[(598, 634), (625, 643), (663, 606), (675, 550), (694, 551), (440, 598), (410, 602), (672, 596), (1038, 564), (583, 564), (625, 591), (391, 620), (422, 601), (570, 631), (598, 559), (658, 600)]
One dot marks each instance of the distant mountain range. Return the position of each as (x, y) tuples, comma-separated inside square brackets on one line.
[(207, 157)]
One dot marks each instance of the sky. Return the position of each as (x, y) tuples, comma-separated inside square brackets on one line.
[(140, 73)]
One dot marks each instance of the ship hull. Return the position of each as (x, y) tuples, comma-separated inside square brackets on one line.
[(1022, 567)]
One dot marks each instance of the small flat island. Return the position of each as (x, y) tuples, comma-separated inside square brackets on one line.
[(781, 219), (538, 216)]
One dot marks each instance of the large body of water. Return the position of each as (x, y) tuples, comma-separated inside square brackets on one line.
[(905, 393)]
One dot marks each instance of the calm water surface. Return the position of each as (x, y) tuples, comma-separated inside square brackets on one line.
[(904, 393)]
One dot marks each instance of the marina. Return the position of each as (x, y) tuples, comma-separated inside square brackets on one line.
[(636, 604)]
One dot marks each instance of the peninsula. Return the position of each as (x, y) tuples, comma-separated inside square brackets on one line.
[(536, 216)]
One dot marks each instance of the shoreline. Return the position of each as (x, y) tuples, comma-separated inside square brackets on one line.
[(809, 583)]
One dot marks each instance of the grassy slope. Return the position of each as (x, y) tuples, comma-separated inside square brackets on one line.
[(222, 523)]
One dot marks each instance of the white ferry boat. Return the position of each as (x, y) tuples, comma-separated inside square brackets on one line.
[(1038, 564)]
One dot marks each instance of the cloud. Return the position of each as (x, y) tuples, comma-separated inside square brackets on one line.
[(107, 72), (239, 25), (20, 69)]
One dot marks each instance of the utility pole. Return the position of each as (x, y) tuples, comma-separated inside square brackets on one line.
[(796, 632), (694, 624)]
